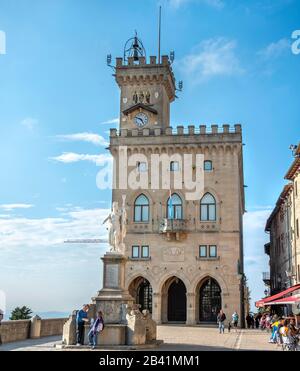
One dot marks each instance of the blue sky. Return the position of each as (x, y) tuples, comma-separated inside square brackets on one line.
[(56, 91)]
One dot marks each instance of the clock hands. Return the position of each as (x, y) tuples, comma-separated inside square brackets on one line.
[(138, 119)]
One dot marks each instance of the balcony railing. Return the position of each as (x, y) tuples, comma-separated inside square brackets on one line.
[(266, 278), (172, 225)]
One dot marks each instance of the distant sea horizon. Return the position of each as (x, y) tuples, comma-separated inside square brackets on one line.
[(44, 315)]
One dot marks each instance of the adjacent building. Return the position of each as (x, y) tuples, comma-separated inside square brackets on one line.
[(283, 226)]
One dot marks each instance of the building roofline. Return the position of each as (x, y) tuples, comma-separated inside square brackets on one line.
[(281, 198), (293, 169)]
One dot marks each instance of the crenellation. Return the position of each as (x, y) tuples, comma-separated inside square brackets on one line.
[(202, 129), (214, 129), (238, 128), (180, 130), (226, 128), (191, 129), (119, 62), (142, 61), (113, 133), (152, 60)]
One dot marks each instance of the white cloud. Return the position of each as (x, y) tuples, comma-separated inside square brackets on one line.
[(10, 207), (211, 58), (71, 157), (111, 122), (85, 137), (275, 49), (29, 123), (256, 261), (39, 270), (72, 223), (217, 4)]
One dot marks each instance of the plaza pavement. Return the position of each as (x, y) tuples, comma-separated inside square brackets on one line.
[(176, 338)]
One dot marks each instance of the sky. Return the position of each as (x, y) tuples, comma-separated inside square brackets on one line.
[(58, 100)]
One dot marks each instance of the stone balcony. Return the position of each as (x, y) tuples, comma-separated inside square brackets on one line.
[(173, 228)]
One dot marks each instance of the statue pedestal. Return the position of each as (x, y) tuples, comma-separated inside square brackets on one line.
[(113, 298)]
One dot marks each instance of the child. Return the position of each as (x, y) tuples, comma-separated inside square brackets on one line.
[(229, 326), (96, 327)]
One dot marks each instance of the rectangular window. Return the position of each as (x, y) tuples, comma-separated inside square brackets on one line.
[(178, 210), (137, 214), (204, 212), (142, 167), (145, 213), (145, 251), (212, 251), (203, 251), (135, 251), (174, 166), (212, 212), (208, 166)]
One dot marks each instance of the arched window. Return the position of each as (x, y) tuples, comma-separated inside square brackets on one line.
[(174, 209), (208, 165), (208, 208), (141, 209)]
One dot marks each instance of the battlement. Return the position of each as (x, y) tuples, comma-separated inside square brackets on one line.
[(191, 130), (142, 62)]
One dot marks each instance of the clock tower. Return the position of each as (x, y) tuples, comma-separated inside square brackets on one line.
[(183, 258), (147, 89)]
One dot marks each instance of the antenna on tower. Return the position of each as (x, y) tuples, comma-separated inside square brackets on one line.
[(159, 34)]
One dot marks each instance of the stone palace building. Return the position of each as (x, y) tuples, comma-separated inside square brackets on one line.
[(184, 258)]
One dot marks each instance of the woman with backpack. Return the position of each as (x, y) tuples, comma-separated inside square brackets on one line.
[(96, 327)]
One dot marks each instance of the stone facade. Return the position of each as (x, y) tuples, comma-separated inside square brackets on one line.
[(283, 226), (172, 244)]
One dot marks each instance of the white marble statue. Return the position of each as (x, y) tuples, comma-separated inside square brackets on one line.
[(117, 227)]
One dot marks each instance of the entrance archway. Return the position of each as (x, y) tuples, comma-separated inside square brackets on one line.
[(210, 300), (141, 290), (174, 301)]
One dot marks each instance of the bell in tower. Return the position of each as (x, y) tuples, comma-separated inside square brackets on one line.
[(147, 88), (134, 48)]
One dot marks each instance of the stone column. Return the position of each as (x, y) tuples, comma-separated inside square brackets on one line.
[(35, 327), (190, 308), (113, 298), (156, 308)]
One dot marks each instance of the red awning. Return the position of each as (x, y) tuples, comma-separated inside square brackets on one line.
[(269, 299), (288, 300)]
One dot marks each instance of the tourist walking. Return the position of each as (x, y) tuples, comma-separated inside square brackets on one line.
[(257, 320), (249, 320), (235, 320), (96, 327), (81, 319), (220, 320)]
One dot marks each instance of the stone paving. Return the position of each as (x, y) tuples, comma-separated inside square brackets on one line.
[(178, 338)]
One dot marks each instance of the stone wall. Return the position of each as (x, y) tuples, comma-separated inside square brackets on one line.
[(11, 331), (52, 327), (14, 331)]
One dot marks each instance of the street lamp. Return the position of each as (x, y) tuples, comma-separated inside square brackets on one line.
[(266, 292)]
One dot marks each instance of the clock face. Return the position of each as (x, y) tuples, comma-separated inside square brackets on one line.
[(141, 119)]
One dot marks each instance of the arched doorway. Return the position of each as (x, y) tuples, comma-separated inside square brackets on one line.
[(173, 301), (210, 301), (141, 290)]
